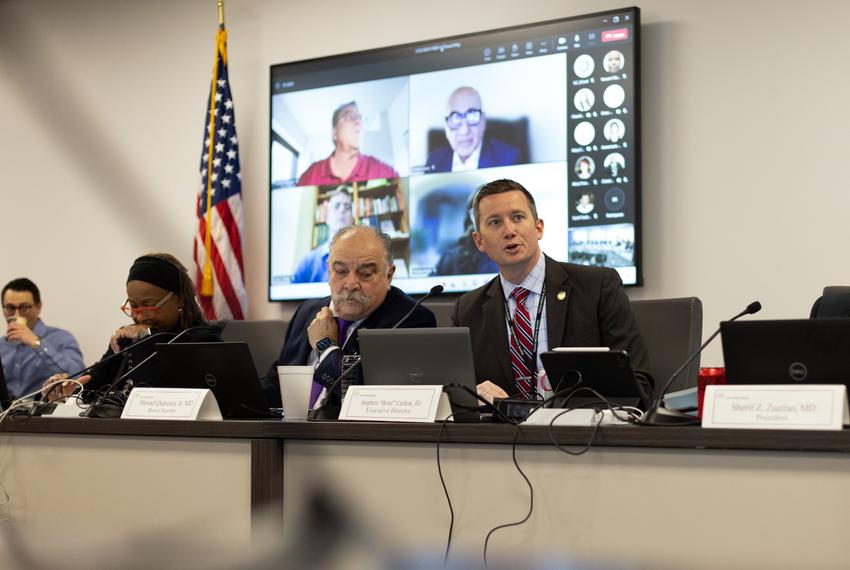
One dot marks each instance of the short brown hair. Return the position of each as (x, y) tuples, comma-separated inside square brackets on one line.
[(500, 187), (338, 112), (23, 285)]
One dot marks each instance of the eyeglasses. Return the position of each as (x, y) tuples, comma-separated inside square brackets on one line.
[(144, 312), (23, 308), (471, 116)]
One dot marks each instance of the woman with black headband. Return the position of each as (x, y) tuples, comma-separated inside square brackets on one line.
[(160, 299)]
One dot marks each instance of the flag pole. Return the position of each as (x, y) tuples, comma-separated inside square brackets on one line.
[(207, 280)]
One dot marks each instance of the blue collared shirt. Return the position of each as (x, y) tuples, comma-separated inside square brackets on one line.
[(26, 368)]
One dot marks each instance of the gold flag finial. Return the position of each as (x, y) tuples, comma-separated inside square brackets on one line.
[(221, 13)]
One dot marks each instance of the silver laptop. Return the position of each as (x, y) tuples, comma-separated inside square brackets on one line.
[(422, 356)]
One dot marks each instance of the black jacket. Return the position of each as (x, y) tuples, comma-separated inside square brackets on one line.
[(296, 345)]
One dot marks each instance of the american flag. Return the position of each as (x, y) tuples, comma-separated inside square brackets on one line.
[(220, 276)]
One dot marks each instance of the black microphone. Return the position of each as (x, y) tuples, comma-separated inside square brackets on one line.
[(123, 377), (132, 344), (658, 415), (154, 353), (435, 290), (325, 411)]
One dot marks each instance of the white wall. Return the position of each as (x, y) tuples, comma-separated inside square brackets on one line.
[(101, 116)]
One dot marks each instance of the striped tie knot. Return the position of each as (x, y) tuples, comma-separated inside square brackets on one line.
[(520, 294)]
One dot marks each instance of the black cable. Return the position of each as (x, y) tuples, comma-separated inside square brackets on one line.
[(268, 414), (572, 390), (530, 497), (487, 405), (445, 488), (608, 405)]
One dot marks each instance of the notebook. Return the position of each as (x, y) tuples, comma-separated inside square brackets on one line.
[(424, 356)]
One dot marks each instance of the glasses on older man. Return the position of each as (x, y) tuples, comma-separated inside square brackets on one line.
[(23, 308), (472, 117), (144, 312)]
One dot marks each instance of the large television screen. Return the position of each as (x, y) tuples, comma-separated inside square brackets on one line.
[(399, 138)]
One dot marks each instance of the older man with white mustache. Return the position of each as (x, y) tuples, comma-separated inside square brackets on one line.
[(361, 271)]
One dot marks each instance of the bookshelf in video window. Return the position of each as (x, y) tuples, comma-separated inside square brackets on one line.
[(377, 203)]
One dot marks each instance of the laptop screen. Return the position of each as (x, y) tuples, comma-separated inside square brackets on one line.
[(5, 400), (813, 351), (226, 368), (426, 356)]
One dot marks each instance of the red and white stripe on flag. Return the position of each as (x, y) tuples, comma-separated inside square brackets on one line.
[(219, 203)]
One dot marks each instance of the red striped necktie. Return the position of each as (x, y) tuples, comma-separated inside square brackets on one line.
[(522, 344)]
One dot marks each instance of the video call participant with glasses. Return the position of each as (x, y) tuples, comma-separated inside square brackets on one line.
[(468, 148), (31, 351), (346, 163), (160, 299), (536, 303)]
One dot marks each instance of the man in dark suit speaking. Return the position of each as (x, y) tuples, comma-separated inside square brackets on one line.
[(323, 330), (468, 148), (535, 303)]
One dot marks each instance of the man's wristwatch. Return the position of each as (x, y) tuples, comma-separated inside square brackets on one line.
[(37, 344), (323, 345)]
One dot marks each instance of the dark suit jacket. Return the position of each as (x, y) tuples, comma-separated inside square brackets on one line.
[(493, 153), (296, 345), (594, 312)]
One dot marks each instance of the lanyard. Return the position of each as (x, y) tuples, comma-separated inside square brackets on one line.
[(532, 363)]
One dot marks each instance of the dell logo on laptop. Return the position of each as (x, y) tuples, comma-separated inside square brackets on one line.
[(416, 376), (798, 371), (210, 380)]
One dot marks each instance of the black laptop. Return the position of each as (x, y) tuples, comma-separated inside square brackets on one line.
[(5, 399), (226, 368), (811, 351), (426, 356)]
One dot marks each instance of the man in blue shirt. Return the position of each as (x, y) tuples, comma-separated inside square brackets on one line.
[(339, 213), (31, 351)]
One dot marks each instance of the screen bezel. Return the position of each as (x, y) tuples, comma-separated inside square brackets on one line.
[(368, 55)]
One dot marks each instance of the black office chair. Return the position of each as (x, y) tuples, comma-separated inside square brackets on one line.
[(672, 331), (264, 338), (835, 302)]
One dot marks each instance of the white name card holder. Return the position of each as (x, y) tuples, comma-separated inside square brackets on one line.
[(781, 406), (171, 404), (423, 404)]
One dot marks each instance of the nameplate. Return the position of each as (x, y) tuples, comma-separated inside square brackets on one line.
[(171, 404), (395, 404), (782, 406)]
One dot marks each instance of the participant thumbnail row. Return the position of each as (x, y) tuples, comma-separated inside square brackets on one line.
[(430, 222)]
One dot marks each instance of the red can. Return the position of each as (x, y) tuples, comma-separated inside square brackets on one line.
[(708, 377)]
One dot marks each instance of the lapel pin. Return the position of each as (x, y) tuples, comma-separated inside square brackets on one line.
[(562, 295)]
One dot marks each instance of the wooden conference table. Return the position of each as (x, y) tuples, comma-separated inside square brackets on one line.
[(666, 497)]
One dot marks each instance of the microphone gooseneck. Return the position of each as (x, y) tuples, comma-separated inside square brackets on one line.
[(658, 414), (122, 377)]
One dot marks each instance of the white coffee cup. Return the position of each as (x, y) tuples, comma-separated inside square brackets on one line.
[(296, 382)]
